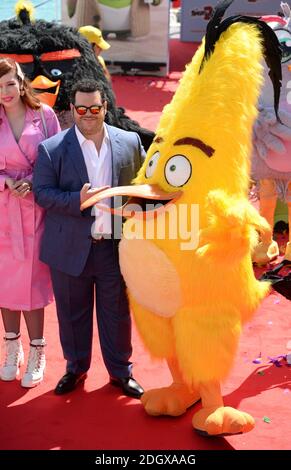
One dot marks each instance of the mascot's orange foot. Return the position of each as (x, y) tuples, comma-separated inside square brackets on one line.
[(172, 401), (222, 421), (265, 252)]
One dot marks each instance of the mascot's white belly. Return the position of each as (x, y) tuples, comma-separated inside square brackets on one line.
[(150, 276), (115, 19)]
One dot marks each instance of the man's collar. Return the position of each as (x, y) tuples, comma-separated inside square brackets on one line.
[(81, 138)]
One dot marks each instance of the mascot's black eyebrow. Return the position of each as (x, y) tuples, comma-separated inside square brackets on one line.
[(209, 151), (158, 140)]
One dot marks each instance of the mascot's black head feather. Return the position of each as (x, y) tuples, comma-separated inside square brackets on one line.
[(20, 37), (271, 44)]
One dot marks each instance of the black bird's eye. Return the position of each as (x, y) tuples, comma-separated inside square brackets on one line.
[(58, 68), (56, 72)]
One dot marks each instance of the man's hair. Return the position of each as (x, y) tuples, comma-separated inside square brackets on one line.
[(88, 85)]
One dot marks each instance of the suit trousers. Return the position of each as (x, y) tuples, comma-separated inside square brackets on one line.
[(75, 303)]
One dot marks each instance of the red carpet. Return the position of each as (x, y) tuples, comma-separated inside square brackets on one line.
[(98, 417), (144, 97)]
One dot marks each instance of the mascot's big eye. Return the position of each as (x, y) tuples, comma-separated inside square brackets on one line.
[(178, 170), (152, 164), (56, 72)]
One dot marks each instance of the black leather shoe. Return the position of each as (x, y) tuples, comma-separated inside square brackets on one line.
[(69, 382), (129, 386)]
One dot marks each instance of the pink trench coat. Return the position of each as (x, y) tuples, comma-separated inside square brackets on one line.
[(24, 280)]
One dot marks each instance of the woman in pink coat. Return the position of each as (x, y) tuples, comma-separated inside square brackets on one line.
[(24, 281)]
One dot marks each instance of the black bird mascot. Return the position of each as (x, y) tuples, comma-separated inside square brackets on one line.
[(54, 56)]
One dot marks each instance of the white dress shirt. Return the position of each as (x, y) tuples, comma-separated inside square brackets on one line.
[(99, 169)]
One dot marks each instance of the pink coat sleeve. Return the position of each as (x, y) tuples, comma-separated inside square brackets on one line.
[(2, 182), (52, 123)]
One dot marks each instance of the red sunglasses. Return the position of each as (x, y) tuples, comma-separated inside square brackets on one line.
[(94, 109)]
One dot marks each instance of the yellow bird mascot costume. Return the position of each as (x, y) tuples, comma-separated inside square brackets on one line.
[(190, 296)]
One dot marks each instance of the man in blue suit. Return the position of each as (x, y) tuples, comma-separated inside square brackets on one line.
[(79, 246)]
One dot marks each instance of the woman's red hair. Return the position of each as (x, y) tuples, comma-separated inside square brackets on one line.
[(28, 97)]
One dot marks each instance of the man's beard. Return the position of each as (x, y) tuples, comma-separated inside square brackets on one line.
[(93, 128)]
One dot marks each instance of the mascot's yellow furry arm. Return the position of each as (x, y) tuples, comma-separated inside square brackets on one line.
[(189, 302)]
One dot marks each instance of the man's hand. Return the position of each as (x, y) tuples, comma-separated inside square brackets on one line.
[(86, 192)]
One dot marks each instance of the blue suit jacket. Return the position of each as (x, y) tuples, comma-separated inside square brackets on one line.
[(59, 174)]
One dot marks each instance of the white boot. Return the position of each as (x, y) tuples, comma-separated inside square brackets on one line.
[(36, 364), (12, 354)]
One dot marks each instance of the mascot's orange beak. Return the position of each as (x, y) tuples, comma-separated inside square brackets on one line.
[(43, 83), (143, 199), (289, 68)]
